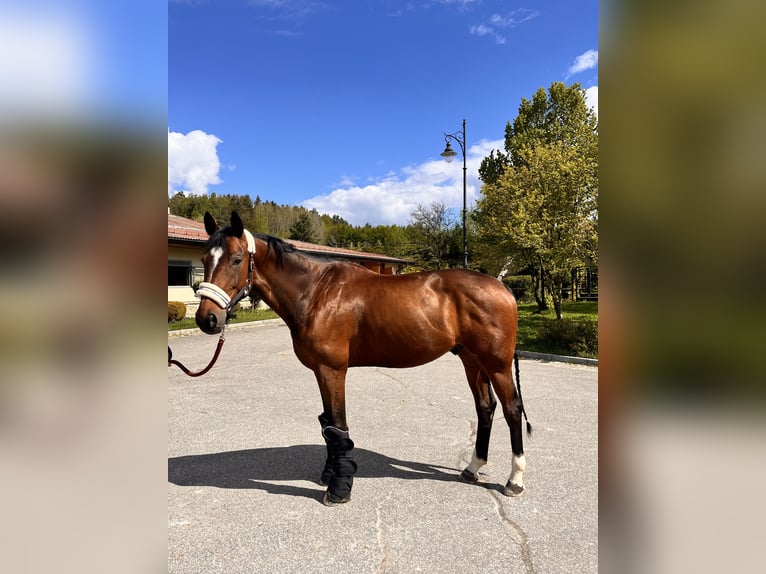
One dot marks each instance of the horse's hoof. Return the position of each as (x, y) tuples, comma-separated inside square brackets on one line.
[(469, 477), (513, 489), (329, 499)]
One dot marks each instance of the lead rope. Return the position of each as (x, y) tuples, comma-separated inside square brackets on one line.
[(229, 315), (172, 361)]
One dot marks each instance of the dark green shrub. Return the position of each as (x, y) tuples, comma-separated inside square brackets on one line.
[(521, 285), (568, 337), (176, 311)]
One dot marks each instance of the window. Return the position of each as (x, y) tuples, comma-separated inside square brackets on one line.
[(179, 273)]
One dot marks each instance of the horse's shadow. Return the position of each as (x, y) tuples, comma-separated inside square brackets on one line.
[(249, 468)]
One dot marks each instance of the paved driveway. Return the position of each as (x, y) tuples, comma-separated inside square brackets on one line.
[(245, 451)]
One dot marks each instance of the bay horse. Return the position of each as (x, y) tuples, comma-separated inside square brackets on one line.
[(343, 315)]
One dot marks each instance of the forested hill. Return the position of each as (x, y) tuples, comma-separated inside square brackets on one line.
[(295, 222)]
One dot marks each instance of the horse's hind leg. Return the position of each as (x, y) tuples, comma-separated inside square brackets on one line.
[(485, 402), (509, 399)]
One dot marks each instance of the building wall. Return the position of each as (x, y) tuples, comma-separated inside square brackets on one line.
[(183, 255), (184, 265)]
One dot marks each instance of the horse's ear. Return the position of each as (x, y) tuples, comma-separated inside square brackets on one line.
[(210, 225), (236, 225)]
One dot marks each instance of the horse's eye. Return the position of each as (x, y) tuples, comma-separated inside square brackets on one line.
[(237, 261)]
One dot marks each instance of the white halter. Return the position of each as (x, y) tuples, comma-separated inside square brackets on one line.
[(218, 295)]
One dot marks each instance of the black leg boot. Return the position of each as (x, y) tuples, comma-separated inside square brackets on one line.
[(343, 466), (324, 479)]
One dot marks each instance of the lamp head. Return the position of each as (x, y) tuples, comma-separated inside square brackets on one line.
[(448, 153)]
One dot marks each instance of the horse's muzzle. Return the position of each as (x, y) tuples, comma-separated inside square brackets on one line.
[(210, 321)]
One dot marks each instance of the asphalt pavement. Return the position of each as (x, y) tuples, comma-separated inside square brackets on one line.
[(245, 453)]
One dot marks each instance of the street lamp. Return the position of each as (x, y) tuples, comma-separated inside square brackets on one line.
[(449, 154)]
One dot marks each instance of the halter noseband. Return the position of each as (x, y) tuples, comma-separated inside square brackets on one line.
[(219, 296)]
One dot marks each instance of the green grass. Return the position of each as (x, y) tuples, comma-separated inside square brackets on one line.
[(243, 316), (531, 323)]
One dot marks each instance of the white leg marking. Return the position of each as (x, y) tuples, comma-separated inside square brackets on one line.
[(518, 464), (476, 464)]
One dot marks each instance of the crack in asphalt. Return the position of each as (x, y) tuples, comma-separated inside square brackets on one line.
[(523, 542), (422, 395), (466, 455), (497, 499), (518, 535), (387, 374)]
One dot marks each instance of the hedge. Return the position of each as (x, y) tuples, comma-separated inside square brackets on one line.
[(568, 337), (176, 311)]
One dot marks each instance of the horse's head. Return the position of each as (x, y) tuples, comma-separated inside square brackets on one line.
[(228, 262)]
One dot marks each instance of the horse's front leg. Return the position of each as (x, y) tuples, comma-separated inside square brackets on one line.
[(338, 473)]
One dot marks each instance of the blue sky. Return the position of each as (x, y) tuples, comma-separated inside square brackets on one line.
[(342, 105), (83, 61)]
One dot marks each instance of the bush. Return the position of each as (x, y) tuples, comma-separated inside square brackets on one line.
[(568, 337), (521, 285), (176, 311)]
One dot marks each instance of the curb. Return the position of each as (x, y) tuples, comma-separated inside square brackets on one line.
[(558, 358), (232, 327)]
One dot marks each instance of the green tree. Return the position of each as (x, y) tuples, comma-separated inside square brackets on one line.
[(293, 221), (303, 229), (433, 232), (560, 114), (539, 203)]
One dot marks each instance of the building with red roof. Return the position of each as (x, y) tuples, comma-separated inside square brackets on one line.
[(187, 237)]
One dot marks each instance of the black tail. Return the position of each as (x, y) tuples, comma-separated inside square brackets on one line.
[(518, 389)]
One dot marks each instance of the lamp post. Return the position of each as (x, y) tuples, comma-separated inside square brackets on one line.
[(449, 154)]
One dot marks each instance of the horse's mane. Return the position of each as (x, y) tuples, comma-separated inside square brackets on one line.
[(281, 247), (275, 244)]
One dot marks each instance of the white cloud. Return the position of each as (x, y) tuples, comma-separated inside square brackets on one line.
[(47, 65), (503, 21), (346, 181), (514, 18), (193, 162), (482, 30), (591, 98), (584, 61), (461, 4), (296, 10), (391, 200)]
